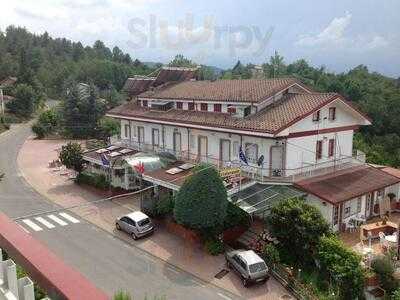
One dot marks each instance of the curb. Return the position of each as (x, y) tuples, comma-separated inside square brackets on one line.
[(50, 201)]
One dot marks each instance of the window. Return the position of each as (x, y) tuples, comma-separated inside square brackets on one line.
[(318, 150), (145, 103), (204, 106), (316, 116), (139, 103), (347, 210), (179, 105), (127, 131), (331, 150), (190, 106), (335, 215), (332, 113), (359, 205), (231, 109), (155, 137), (247, 111), (251, 152), (217, 107)]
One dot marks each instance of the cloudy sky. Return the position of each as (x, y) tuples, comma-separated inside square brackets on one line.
[(338, 34)]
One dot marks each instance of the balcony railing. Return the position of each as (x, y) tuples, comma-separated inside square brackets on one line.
[(261, 173)]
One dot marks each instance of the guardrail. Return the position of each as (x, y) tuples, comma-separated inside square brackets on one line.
[(252, 170)]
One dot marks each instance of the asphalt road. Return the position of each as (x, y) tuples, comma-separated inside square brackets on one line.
[(111, 264)]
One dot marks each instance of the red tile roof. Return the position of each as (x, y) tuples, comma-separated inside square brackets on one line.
[(392, 171), (9, 81), (271, 119), (137, 85), (347, 184), (174, 74), (241, 90)]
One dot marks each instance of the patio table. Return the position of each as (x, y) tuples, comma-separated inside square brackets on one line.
[(391, 238), (376, 227)]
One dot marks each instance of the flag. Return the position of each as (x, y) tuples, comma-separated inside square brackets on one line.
[(140, 168), (242, 156), (105, 160)]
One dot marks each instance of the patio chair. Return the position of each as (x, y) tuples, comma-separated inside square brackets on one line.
[(383, 241), (351, 225)]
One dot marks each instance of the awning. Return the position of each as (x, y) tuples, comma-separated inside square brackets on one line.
[(259, 198)]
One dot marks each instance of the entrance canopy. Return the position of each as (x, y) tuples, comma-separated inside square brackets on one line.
[(258, 199)]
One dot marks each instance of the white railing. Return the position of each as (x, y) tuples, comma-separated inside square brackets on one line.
[(10, 286), (259, 173)]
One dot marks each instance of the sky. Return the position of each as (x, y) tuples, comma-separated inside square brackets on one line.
[(337, 34)]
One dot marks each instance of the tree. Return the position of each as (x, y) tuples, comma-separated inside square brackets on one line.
[(201, 203), (343, 266), (181, 61), (298, 227), (24, 102), (47, 123), (108, 127), (71, 156)]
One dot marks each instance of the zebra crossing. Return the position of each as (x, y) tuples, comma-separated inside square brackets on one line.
[(47, 222)]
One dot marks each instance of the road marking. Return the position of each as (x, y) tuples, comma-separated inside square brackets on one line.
[(23, 228), (32, 225), (57, 220), (223, 296), (45, 222), (69, 218)]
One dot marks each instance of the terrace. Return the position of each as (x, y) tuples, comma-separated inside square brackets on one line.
[(263, 173)]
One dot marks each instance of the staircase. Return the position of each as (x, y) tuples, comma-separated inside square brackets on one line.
[(248, 238)]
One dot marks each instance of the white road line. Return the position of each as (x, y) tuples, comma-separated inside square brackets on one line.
[(57, 220), (69, 218), (223, 296), (45, 222), (23, 228), (32, 225)]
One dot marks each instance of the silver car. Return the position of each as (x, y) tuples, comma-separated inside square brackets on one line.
[(137, 224), (249, 266)]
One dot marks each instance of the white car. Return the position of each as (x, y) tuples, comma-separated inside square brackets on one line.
[(137, 224)]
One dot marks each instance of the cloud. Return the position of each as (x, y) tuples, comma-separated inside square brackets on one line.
[(332, 35)]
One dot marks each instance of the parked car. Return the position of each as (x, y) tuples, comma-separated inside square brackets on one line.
[(137, 224), (249, 266)]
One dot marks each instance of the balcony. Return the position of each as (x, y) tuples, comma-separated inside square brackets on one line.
[(263, 174)]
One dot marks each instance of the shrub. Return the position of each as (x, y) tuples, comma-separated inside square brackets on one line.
[(122, 295), (395, 295), (202, 201), (39, 130), (236, 216), (71, 156), (298, 227), (384, 268), (46, 124), (214, 246), (271, 254), (343, 266), (99, 181), (165, 205)]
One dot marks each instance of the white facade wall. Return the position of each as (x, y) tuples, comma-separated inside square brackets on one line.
[(301, 151), (189, 140), (324, 207)]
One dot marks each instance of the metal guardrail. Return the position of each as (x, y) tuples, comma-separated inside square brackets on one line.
[(259, 173)]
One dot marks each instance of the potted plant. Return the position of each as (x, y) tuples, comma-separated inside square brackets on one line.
[(371, 278)]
